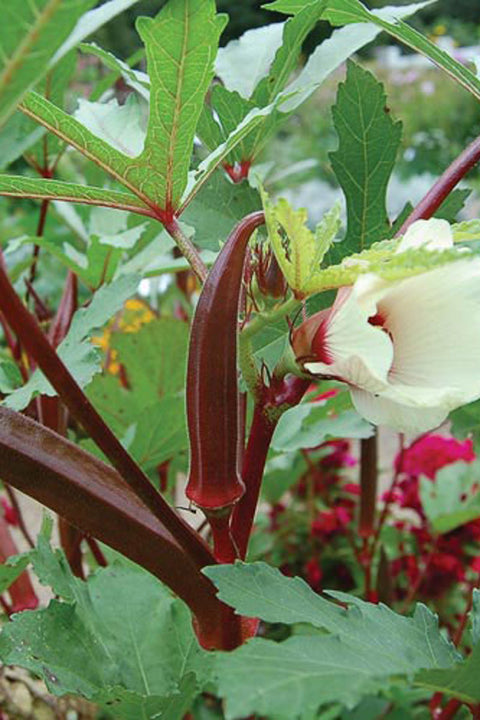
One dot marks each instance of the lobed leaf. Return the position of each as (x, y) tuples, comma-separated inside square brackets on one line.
[(181, 44), (366, 645), (99, 642), (368, 142)]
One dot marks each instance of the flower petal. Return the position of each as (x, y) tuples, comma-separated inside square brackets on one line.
[(431, 234), (403, 418), (434, 320), (360, 354)]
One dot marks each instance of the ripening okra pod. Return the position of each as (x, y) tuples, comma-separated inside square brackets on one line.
[(214, 482)]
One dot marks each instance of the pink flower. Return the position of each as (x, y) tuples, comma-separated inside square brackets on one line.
[(431, 453)]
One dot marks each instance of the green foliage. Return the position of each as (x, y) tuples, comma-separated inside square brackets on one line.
[(309, 424), (363, 647), (180, 66), (452, 500), (368, 145), (120, 639), (466, 422), (76, 350), (343, 12), (150, 414), (30, 33)]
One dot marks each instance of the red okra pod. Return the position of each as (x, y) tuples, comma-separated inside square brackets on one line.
[(212, 379)]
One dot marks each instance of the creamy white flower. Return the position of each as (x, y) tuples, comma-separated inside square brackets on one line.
[(410, 350)]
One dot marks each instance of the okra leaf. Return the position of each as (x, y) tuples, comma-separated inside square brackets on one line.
[(219, 205), (452, 500), (364, 646), (181, 44), (309, 424), (30, 33), (76, 350), (460, 681), (101, 645), (466, 422), (368, 142), (343, 12)]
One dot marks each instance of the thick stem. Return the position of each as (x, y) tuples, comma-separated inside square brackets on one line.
[(444, 185), (223, 545), (38, 347), (261, 432), (368, 485), (187, 248)]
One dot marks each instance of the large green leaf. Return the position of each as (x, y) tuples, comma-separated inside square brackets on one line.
[(453, 499), (343, 12), (30, 33), (368, 141), (366, 645), (76, 350), (181, 45), (119, 639)]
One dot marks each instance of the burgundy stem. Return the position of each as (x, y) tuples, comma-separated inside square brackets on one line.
[(278, 397), (36, 250), (368, 485), (444, 185), (21, 522), (37, 345), (256, 452)]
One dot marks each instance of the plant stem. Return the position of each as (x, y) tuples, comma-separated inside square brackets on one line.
[(444, 185), (263, 319), (368, 485), (261, 432), (36, 250), (187, 248), (38, 347), (21, 522)]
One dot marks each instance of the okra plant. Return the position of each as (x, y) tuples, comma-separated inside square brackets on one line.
[(205, 334)]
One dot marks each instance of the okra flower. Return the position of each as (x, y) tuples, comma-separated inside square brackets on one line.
[(410, 349)]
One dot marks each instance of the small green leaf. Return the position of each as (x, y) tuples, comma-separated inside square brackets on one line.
[(466, 422), (368, 143), (30, 34), (76, 350), (151, 412), (10, 376), (309, 424), (298, 250), (12, 569), (452, 500)]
